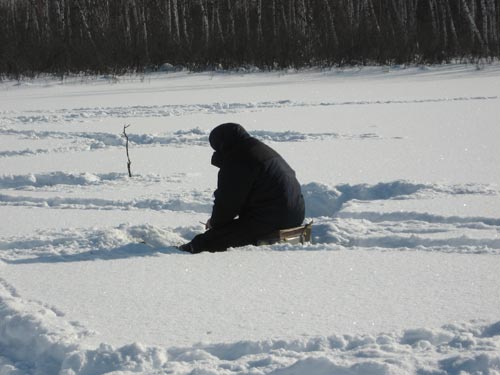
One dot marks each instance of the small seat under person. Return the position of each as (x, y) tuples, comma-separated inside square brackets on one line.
[(296, 235)]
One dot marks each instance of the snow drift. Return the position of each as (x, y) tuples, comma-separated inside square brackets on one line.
[(396, 165), (38, 337)]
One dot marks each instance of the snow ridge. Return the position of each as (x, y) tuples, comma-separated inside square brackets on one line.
[(145, 111), (55, 178), (44, 180), (324, 200), (33, 335), (25, 152), (336, 225), (321, 199), (34, 339), (177, 202), (73, 245), (193, 137)]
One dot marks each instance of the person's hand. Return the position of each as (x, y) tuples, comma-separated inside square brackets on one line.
[(208, 225)]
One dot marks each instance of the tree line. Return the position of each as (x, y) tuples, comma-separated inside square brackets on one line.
[(97, 36)]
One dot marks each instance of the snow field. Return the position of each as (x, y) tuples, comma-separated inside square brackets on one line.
[(398, 170), (38, 336)]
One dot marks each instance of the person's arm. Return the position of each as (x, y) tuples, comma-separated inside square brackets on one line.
[(234, 182)]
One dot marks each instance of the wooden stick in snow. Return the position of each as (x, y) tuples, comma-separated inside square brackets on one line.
[(126, 147)]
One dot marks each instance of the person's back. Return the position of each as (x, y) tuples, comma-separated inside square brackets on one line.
[(255, 185), (274, 197)]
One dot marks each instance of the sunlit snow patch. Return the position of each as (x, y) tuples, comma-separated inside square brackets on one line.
[(35, 339)]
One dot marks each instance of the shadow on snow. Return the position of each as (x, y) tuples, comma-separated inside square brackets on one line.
[(133, 250)]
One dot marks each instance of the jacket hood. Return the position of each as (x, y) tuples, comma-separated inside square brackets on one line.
[(224, 137)]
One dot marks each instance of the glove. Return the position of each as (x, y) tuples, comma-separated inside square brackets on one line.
[(187, 247)]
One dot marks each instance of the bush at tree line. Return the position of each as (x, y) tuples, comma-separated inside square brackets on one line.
[(97, 36)]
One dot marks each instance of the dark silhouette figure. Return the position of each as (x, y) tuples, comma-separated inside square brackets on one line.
[(257, 192)]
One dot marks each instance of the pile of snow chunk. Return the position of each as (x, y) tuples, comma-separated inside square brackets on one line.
[(36, 339), (105, 359), (33, 335), (324, 200)]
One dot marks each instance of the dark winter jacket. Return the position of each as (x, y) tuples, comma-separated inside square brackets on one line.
[(254, 181)]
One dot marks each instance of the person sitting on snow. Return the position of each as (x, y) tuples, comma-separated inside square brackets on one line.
[(257, 192)]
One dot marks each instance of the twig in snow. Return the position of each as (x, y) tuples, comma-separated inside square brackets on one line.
[(126, 147)]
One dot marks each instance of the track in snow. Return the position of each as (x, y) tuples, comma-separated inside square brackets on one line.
[(85, 114), (337, 224)]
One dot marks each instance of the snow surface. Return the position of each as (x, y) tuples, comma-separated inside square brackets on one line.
[(399, 169)]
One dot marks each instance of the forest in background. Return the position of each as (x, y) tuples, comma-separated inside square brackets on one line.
[(114, 36)]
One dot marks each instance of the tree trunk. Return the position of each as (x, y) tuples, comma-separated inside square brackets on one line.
[(350, 21), (246, 11), (273, 16), (218, 23), (259, 21), (493, 22), (293, 16), (204, 23), (484, 14), (444, 28), (86, 28), (301, 17), (331, 24), (472, 23), (126, 23), (168, 23), (144, 29), (184, 19), (433, 19), (373, 16), (175, 13), (284, 18), (230, 12), (453, 30)]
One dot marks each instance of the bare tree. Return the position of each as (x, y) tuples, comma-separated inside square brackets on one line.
[(125, 135), (469, 14), (175, 13), (218, 24), (259, 21), (246, 16), (204, 22), (331, 23)]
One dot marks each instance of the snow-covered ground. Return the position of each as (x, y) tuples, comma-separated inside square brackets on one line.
[(399, 168)]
